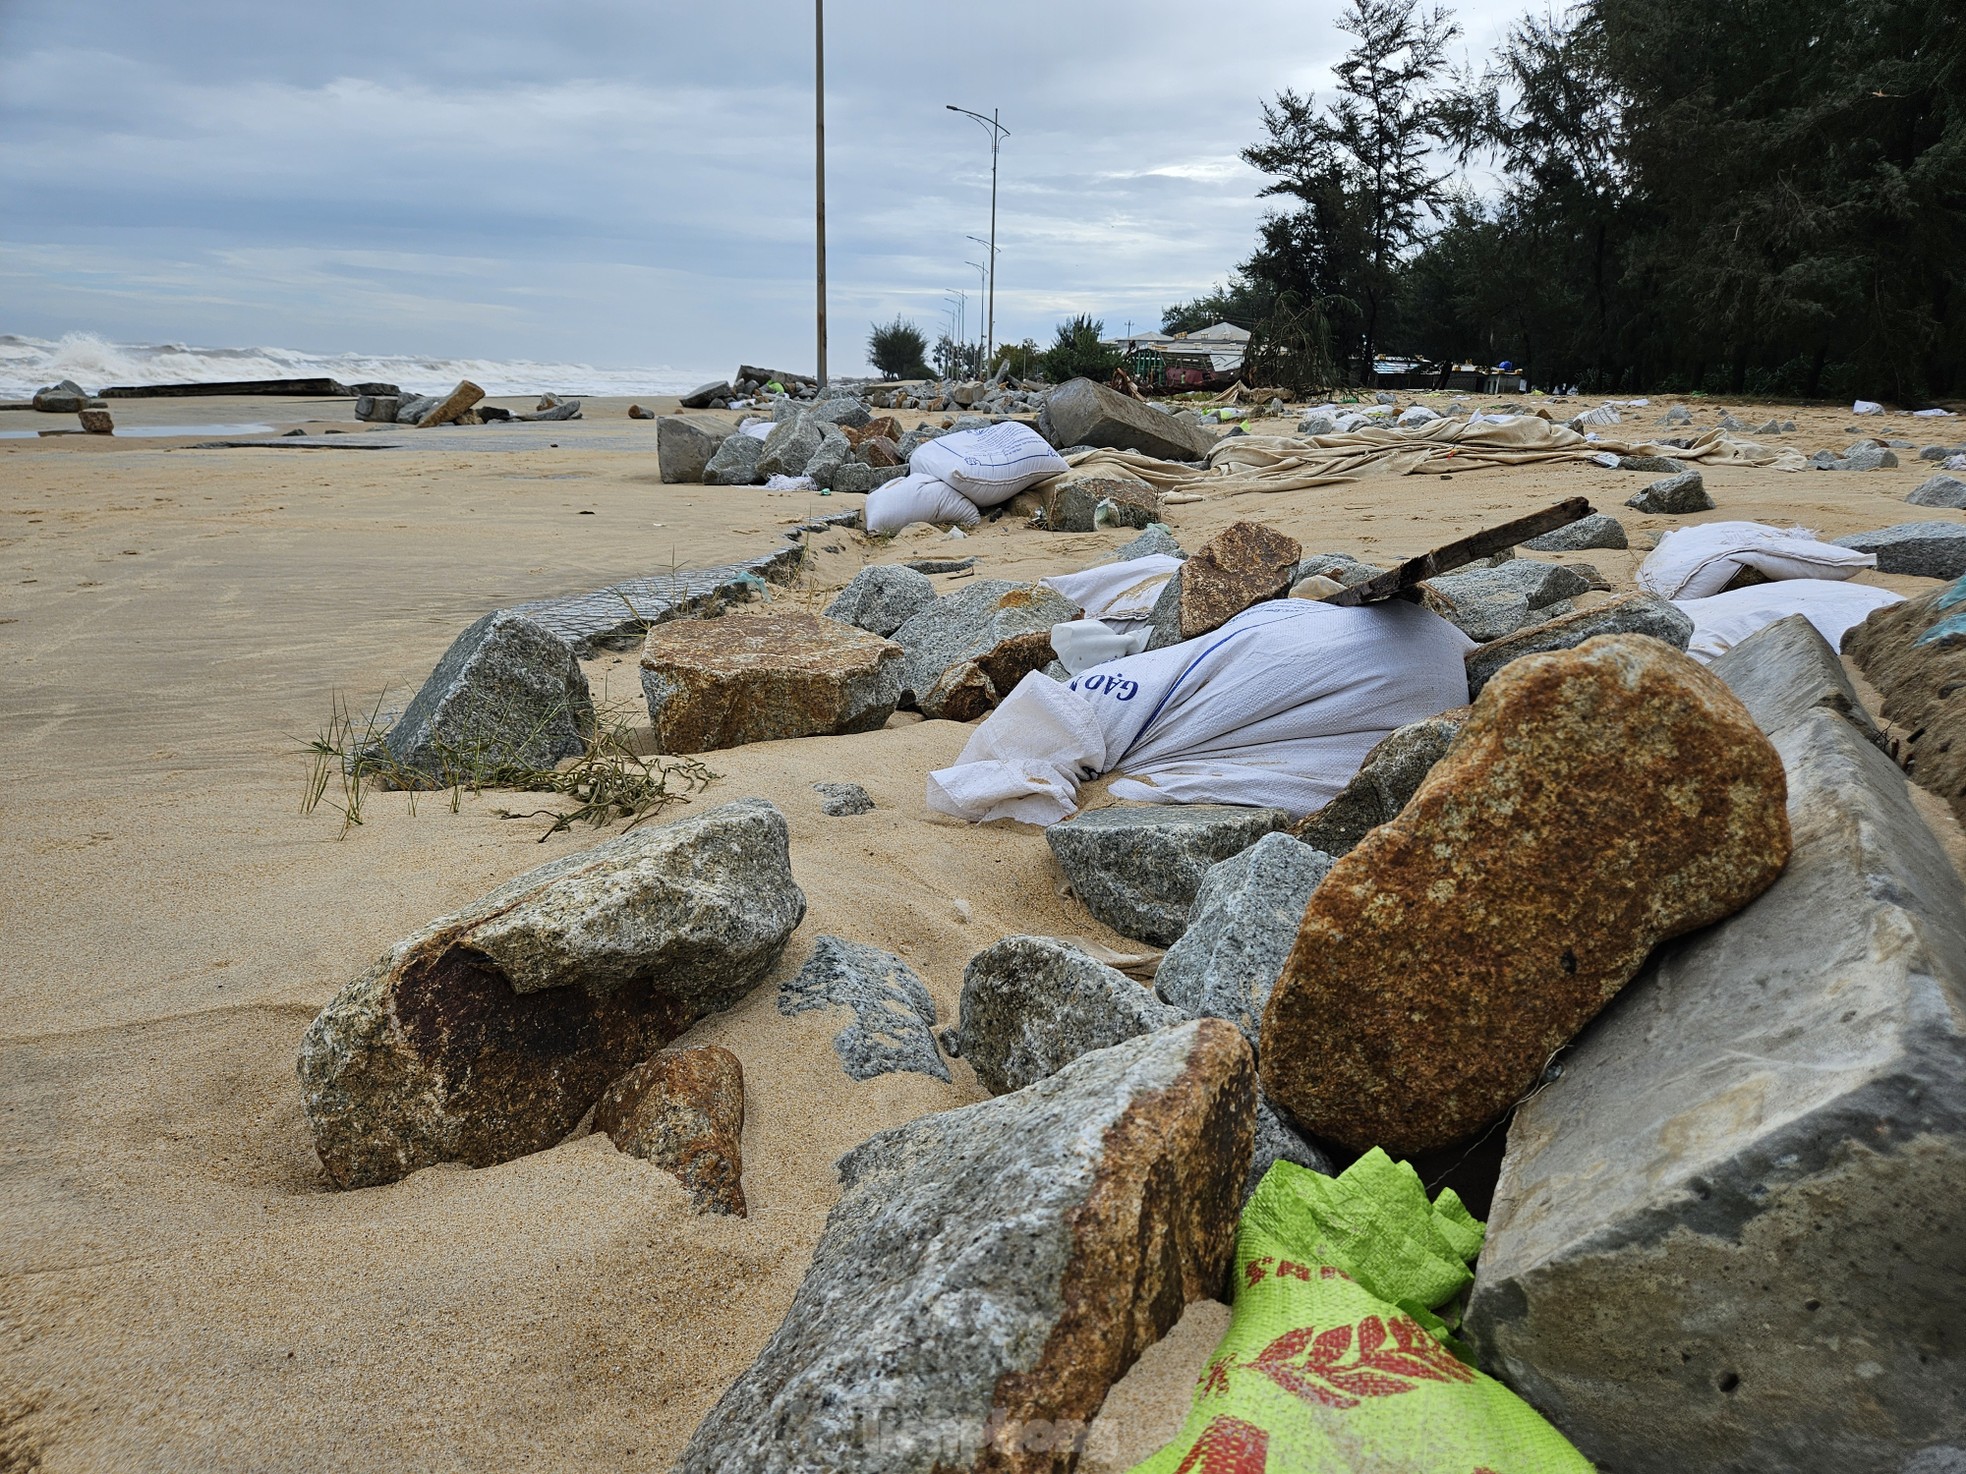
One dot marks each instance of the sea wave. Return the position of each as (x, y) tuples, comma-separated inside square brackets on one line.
[(27, 364)]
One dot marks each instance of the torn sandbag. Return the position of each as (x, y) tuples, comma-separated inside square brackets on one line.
[(1277, 708), (1722, 621), (1340, 1353), (1695, 562), (1125, 590), (991, 465), (1083, 643), (896, 504)]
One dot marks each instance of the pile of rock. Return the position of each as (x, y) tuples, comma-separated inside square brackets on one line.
[(461, 406), (66, 398), (752, 383)]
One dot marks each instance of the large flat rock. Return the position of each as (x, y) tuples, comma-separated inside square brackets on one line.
[(1784, 671), (990, 1272), (1080, 412), (1731, 1235), (684, 445), (1599, 801), (1924, 549), (759, 678), (488, 1034)]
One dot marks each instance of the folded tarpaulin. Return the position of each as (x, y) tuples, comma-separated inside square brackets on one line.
[(1695, 562), (1278, 708), (1722, 621), (1339, 1355), (1274, 463)]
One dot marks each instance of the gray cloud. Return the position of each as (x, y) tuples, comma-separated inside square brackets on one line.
[(621, 183)]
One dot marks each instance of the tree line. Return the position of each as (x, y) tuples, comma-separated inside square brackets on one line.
[(1755, 196)]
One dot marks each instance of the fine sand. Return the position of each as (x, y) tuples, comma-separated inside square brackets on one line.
[(178, 1289)]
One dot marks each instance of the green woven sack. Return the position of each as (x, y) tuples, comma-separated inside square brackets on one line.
[(1340, 1358)]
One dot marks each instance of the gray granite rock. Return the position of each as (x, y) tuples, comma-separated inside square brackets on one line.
[(790, 447), (1276, 1141), (684, 445), (1657, 465), (1679, 414), (489, 1033), (882, 598), (1342, 567), (701, 396), (1156, 539), (1241, 928), (1786, 670), (1923, 549), (508, 692), (1032, 1005), (1137, 869), (1389, 777), (843, 800), (412, 408), (989, 1272), (1939, 491), (1598, 530), (1084, 413), (1675, 495), (854, 479), (988, 630), (842, 411), (1868, 458), (1487, 603), (893, 1014), (1941, 452), (735, 462), (1631, 614), (831, 456), (1730, 1235)]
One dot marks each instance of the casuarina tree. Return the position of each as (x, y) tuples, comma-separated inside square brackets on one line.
[(897, 350)]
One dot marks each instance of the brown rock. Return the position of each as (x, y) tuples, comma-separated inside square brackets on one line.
[(97, 421), (1071, 503), (882, 427), (1598, 801), (1242, 565), (879, 452), (636, 412), (965, 692), (989, 1272), (725, 682), (684, 1111), (460, 399), (1914, 653), (489, 1033)]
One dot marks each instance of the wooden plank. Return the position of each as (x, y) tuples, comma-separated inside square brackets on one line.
[(1402, 581)]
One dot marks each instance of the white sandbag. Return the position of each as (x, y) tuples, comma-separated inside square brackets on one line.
[(1866, 407), (896, 504), (1125, 590), (1722, 621), (1277, 707), (1084, 643), (989, 466), (1695, 562)]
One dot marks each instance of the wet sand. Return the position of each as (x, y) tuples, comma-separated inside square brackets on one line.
[(177, 1286)]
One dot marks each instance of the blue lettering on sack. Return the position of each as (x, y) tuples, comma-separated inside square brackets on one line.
[(1118, 687)]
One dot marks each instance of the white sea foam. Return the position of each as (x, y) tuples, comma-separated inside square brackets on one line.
[(27, 364)]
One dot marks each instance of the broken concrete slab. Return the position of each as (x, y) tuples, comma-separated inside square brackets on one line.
[(1729, 1236), (1786, 670)]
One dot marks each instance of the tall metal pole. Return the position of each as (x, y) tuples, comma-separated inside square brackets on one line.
[(819, 154), (996, 132)]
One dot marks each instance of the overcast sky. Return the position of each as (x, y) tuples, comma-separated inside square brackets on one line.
[(624, 182)]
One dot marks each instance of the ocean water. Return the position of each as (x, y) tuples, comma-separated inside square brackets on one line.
[(27, 364)]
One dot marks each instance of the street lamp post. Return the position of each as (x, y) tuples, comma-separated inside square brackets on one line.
[(997, 134), (979, 292), (819, 156)]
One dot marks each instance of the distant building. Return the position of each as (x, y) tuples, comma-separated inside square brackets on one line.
[(1197, 360)]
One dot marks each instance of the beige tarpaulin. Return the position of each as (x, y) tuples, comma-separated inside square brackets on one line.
[(1245, 463)]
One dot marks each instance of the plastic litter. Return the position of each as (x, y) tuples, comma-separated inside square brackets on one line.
[(1722, 621), (790, 483), (1341, 1353), (1277, 707), (1695, 562)]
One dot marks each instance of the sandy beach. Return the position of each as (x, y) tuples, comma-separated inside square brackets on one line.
[(178, 1286)]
